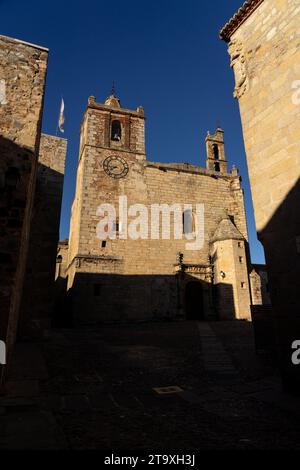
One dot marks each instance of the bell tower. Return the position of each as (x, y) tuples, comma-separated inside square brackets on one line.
[(215, 152), (110, 165), (110, 127)]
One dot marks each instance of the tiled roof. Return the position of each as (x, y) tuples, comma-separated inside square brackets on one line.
[(243, 13), (226, 231)]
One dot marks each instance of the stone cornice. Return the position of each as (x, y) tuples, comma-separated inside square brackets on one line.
[(55, 137), (138, 113), (189, 168), (24, 43), (235, 22), (97, 258), (194, 268)]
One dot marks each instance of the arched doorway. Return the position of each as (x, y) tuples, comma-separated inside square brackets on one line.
[(194, 301)]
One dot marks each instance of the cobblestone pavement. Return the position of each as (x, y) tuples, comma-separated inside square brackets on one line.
[(94, 388)]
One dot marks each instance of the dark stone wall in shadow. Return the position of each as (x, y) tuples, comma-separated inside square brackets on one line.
[(17, 185), (38, 293), (264, 329), (282, 250), (111, 297), (224, 301)]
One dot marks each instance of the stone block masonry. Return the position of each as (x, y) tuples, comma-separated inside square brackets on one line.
[(264, 46), (22, 75)]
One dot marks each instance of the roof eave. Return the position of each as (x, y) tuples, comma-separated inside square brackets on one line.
[(239, 18)]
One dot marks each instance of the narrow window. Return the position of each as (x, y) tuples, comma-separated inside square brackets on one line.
[(240, 245), (187, 220), (243, 285), (217, 166), (116, 131), (97, 290), (241, 259), (103, 244), (59, 259), (216, 151)]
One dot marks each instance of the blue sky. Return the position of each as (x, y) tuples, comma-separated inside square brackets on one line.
[(165, 55)]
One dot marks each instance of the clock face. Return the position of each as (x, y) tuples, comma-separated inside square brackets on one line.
[(115, 167)]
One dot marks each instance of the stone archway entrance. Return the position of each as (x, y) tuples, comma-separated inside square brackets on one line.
[(194, 301)]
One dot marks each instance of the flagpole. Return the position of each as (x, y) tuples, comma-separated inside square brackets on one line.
[(56, 133)]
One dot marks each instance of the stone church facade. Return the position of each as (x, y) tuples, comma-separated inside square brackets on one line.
[(153, 277)]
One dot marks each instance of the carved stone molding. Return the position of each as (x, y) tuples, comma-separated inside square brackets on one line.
[(239, 65), (205, 272), (84, 260)]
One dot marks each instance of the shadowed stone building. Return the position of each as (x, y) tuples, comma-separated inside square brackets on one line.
[(264, 45), (22, 84), (38, 293), (31, 182), (153, 276), (260, 285)]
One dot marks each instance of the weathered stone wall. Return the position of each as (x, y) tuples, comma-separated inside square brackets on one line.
[(269, 46), (255, 281), (38, 295), (62, 260), (260, 285), (146, 183), (61, 312), (265, 56), (233, 289), (22, 82)]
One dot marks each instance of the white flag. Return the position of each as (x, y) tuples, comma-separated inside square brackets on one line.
[(61, 120)]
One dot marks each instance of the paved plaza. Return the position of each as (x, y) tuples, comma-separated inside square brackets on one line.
[(169, 385)]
